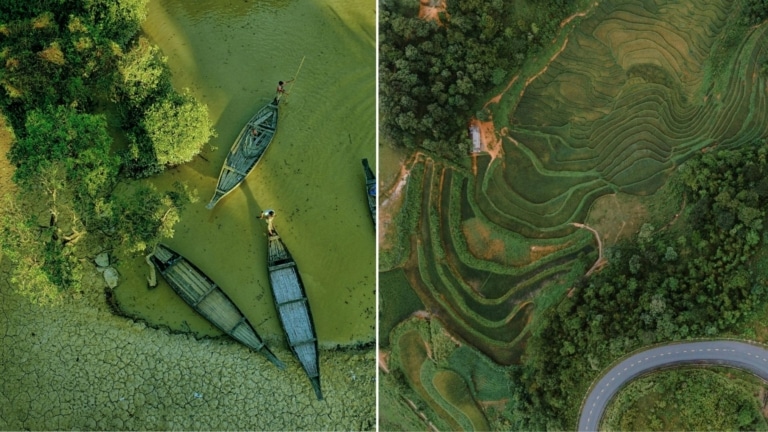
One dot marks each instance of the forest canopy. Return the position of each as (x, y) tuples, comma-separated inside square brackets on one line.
[(68, 66), (433, 73), (697, 278)]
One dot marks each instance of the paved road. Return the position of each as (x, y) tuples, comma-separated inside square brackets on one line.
[(742, 355)]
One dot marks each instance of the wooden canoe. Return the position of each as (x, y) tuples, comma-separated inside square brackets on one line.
[(245, 153), (293, 309), (370, 189), (207, 299)]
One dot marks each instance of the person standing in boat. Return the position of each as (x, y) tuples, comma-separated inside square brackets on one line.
[(269, 214), (281, 89)]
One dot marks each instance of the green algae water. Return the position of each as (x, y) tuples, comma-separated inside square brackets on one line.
[(231, 54)]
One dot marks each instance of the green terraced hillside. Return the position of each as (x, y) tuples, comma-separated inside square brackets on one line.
[(627, 92)]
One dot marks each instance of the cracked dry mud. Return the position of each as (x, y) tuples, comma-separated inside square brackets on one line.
[(77, 366)]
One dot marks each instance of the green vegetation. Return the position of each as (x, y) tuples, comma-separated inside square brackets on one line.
[(666, 102), (488, 380), (688, 399), (67, 63), (405, 221), (164, 127), (755, 11), (459, 400), (667, 285), (397, 301), (433, 74), (429, 361)]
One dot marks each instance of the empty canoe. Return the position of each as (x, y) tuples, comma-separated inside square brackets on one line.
[(207, 299), (293, 309), (370, 189)]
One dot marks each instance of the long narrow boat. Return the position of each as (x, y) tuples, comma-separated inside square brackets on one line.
[(370, 189), (293, 308), (245, 153), (207, 299)]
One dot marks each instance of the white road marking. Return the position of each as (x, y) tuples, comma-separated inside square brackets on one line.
[(739, 351)]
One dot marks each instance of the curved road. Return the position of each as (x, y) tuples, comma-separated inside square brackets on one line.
[(742, 355)]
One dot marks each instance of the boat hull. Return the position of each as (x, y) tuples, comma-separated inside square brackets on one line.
[(370, 189), (246, 151), (207, 299), (293, 309)]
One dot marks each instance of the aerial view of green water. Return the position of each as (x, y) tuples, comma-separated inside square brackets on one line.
[(231, 54)]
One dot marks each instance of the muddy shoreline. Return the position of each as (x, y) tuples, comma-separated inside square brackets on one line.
[(78, 365), (113, 303)]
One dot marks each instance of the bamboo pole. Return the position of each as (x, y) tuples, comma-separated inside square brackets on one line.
[(293, 81)]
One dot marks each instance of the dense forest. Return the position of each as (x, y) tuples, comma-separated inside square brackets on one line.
[(69, 66), (434, 74), (697, 277), (755, 11)]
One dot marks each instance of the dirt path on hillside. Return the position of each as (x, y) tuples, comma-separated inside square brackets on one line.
[(392, 201), (490, 140)]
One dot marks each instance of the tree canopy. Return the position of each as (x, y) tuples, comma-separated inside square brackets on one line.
[(697, 280), (432, 74), (67, 64), (177, 127)]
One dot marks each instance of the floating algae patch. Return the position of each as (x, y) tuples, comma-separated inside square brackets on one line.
[(224, 52)]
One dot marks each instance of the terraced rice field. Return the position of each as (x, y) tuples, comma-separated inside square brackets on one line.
[(456, 393), (631, 91)]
